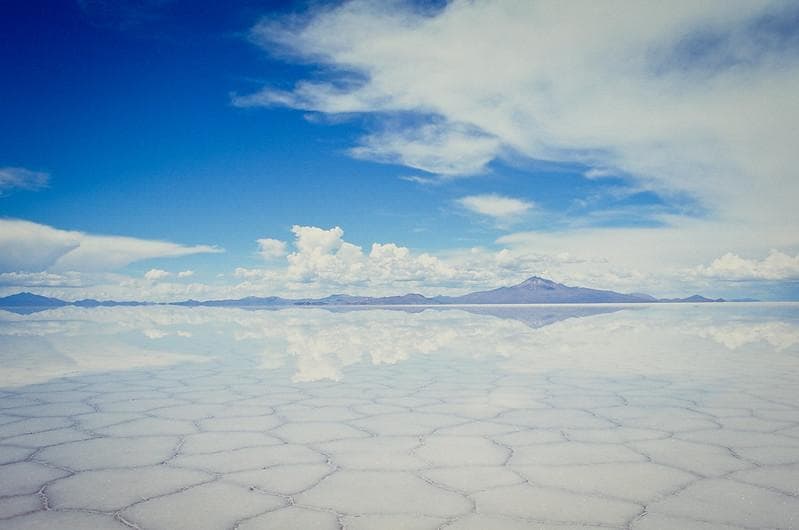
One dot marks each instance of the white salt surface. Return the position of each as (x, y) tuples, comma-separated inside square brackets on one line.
[(629, 417)]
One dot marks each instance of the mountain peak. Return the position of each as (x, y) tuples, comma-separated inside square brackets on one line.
[(537, 282)]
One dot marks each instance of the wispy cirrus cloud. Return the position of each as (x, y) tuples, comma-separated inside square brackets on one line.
[(12, 178), (422, 181)]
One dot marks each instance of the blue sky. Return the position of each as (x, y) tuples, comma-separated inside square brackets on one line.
[(211, 126)]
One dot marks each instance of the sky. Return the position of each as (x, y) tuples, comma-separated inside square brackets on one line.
[(173, 149)]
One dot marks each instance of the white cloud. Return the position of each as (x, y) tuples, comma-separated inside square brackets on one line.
[(154, 334), (734, 335), (446, 150), (26, 246), (21, 178), (110, 286), (40, 279), (322, 262), (423, 181), (598, 173), (687, 99), (110, 252), (662, 260), (496, 206), (154, 275), (185, 274), (271, 248), (315, 240), (777, 266), (33, 247)]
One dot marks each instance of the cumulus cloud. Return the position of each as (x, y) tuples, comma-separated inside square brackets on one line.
[(318, 241), (21, 178), (323, 262), (322, 259), (496, 206), (32, 247), (271, 248), (154, 275), (777, 266), (324, 256), (185, 274)]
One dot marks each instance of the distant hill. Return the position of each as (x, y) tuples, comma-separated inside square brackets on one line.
[(695, 299), (31, 300), (90, 302), (534, 290)]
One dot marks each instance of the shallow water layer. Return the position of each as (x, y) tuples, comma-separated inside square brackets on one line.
[(645, 417)]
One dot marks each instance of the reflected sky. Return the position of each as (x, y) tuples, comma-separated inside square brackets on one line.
[(313, 344), (638, 417)]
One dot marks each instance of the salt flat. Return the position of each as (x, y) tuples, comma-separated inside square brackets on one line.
[(641, 417)]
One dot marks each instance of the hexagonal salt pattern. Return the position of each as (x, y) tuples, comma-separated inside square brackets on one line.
[(508, 433)]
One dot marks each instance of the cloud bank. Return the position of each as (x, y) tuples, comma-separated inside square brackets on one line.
[(777, 266), (32, 247), (320, 261)]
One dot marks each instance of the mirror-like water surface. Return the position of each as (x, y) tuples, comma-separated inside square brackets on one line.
[(667, 416)]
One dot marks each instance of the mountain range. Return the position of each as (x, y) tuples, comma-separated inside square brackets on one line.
[(534, 290)]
